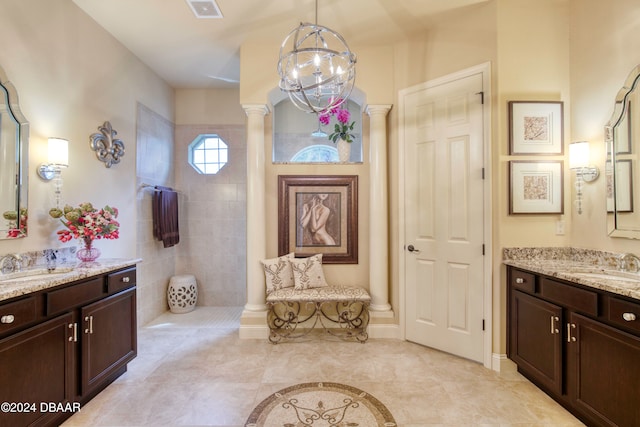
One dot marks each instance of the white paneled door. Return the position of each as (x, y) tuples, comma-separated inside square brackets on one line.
[(444, 215)]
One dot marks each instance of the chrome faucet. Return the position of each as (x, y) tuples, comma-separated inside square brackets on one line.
[(50, 256), (629, 262), (11, 263)]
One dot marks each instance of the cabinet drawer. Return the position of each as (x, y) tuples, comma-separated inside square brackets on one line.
[(121, 280), (523, 281), (624, 313), (16, 314), (570, 296), (67, 298)]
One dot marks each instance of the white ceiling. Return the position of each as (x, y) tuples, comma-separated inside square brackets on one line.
[(204, 53)]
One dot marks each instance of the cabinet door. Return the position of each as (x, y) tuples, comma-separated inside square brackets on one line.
[(536, 339), (37, 366), (604, 372), (108, 338)]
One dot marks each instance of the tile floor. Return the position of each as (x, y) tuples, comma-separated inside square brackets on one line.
[(193, 370)]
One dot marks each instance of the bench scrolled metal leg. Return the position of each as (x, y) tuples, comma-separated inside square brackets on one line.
[(351, 317), (284, 318)]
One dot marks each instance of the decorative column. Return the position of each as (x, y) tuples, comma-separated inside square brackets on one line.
[(256, 212), (378, 209)]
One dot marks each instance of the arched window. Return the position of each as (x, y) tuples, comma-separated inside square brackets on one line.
[(316, 154)]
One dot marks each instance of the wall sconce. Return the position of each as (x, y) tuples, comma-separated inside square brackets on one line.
[(58, 158), (585, 172)]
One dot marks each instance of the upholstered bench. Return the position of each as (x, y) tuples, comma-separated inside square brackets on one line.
[(342, 311)]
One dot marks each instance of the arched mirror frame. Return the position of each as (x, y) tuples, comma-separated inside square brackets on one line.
[(14, 168), (623, 219)]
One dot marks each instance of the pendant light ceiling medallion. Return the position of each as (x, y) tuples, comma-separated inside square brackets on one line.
[(316, 68)]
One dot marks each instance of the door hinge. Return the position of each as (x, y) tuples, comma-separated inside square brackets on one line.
[(482, 173), (483, 249), (483, 324), (481, 97)]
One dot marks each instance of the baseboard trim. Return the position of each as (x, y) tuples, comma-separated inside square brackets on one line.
[(501, 363), (384, 331)]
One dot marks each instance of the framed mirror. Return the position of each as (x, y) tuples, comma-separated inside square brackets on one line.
[(622, 132), (14, 149)]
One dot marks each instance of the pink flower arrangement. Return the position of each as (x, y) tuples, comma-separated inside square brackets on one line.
[(87, 223), (342, 129)]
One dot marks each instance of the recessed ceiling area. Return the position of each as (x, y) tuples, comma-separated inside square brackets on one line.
[(189, 52)]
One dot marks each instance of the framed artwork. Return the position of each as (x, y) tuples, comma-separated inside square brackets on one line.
[(623, 186), (536, 127), (319, 214), (536, 187)]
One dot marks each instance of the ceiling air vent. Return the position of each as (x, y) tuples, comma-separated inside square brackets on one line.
[(205, 9)]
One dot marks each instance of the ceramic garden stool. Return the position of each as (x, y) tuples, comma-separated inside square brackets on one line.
[(182, 293)]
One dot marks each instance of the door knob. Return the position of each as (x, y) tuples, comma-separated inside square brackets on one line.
[(411, 248)]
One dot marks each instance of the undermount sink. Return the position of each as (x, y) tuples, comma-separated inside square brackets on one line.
[(620, 276), (39, 274)]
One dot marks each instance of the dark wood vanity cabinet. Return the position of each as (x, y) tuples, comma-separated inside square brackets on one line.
[(64, 345), (536, 341), (108, 338), (36, 365), (574, 343)]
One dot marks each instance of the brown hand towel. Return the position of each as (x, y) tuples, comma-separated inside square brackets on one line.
[(165, 216)]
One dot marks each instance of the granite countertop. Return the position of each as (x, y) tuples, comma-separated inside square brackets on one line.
[(23, 286), (590, 268)]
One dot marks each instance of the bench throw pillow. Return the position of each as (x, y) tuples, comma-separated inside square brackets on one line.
[(307, 272), (278, 273)]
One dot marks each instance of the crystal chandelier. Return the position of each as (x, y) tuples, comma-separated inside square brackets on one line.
[(316, 67)]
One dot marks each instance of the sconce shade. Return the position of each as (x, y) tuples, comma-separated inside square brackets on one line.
[(58, 152), (579, 155)]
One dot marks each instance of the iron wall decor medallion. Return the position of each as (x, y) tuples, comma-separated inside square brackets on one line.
[(108, 148), (320, 405)]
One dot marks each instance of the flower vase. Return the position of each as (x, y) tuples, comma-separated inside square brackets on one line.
[(88, 253), (344, 150)]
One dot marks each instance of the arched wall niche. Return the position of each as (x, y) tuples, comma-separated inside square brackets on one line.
[(295, 131)]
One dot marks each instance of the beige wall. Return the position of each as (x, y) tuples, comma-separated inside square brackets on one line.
[(456, 41), (534, 57), (72, 76), (532, 64), (604, 48)]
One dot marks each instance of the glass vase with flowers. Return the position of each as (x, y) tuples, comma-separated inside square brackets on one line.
[(87, 223)]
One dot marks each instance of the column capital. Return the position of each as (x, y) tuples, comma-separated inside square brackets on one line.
[(256, 109), (372, 109)]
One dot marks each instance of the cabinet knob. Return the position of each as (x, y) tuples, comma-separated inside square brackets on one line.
[(519, 280), (629, 317), (9, 318), (125, 279)]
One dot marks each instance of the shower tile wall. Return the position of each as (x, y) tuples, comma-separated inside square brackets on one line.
[(154, 166), (213, 218)]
